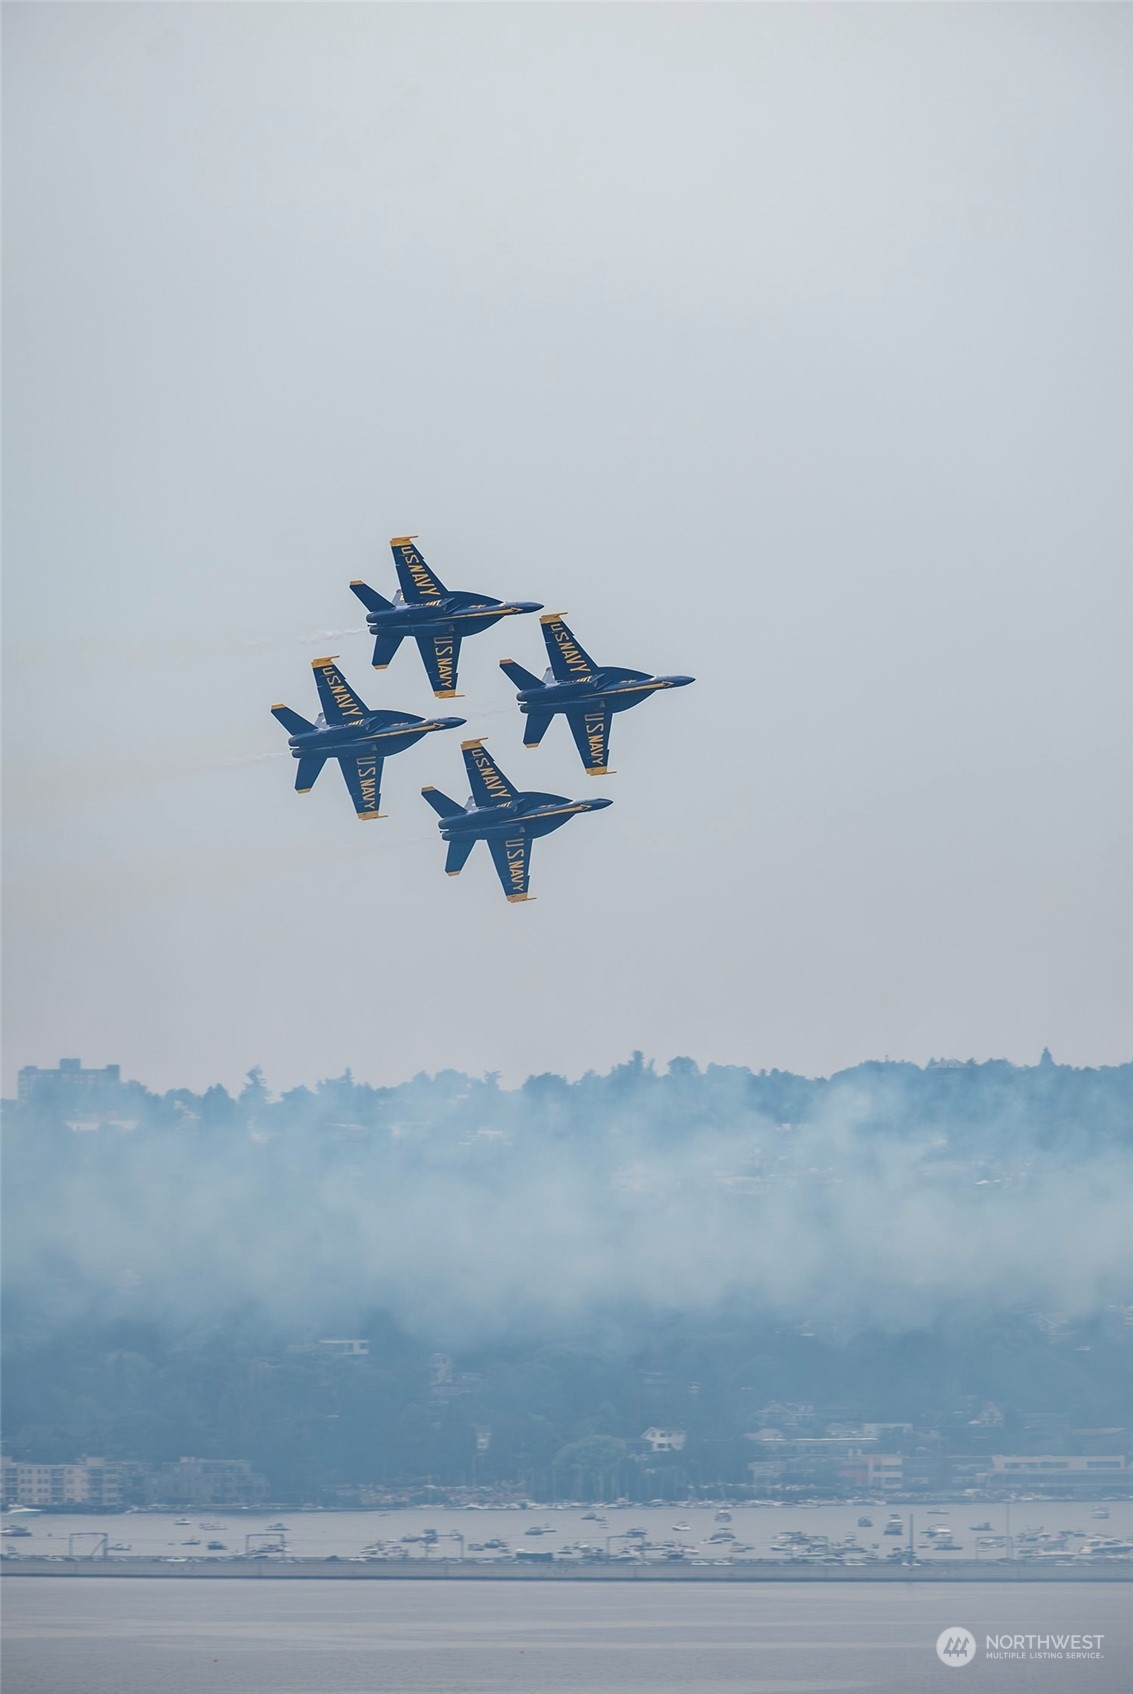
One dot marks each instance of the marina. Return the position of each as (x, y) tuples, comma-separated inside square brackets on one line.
[(813, 1540)]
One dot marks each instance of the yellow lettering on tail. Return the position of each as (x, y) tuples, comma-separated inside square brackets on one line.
[(569, 651), (493, 781)]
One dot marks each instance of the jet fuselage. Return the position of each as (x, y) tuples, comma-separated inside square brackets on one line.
[(468, 612), (535, 814), (614, 688), (374, 734)]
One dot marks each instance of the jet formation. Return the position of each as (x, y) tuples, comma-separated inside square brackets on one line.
[(438, 619)]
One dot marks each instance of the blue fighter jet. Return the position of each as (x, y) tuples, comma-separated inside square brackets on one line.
[(503, 817), (348, 731), (586, 694), (436, 619)]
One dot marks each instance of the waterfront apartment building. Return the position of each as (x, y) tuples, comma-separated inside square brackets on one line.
[(209, 1482), (89, 1482), (872, 1473), (1087, 1471), (121, 1482)]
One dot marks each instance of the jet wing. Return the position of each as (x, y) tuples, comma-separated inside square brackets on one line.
[(512, 859), (490, 787), (591, 731), (418, 583), (339, 702), (569, 661), (363, 776), (440, 651)]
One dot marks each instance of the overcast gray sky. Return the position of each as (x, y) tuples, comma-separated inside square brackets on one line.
[(784, 345)]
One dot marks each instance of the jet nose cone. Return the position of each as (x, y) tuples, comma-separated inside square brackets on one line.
[(679, 681), (599, 805), (529, 605), (451, 723)]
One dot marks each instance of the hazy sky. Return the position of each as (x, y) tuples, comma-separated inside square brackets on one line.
[(788, 346)]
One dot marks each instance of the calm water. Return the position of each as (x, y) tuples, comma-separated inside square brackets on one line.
[(131, 1636)]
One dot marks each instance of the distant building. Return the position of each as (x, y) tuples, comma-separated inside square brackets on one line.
[(446, 1382), (209, 1482), (811, 1446), (831, 1446), (1063, 1470), (665, 1440), (870, 1471), (352, 1349), (68, 1079), (783, 1415), (767, 1470), (89, 1482)]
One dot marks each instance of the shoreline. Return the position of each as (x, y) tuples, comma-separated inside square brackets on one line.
[(322, 1570)]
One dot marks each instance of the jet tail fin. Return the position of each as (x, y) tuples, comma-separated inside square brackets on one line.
[(441, 803), (384, 649), (457, 856), (568, 660), (370, 598), (522, 679), (535, 727), (418, 582), (291, 721)]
